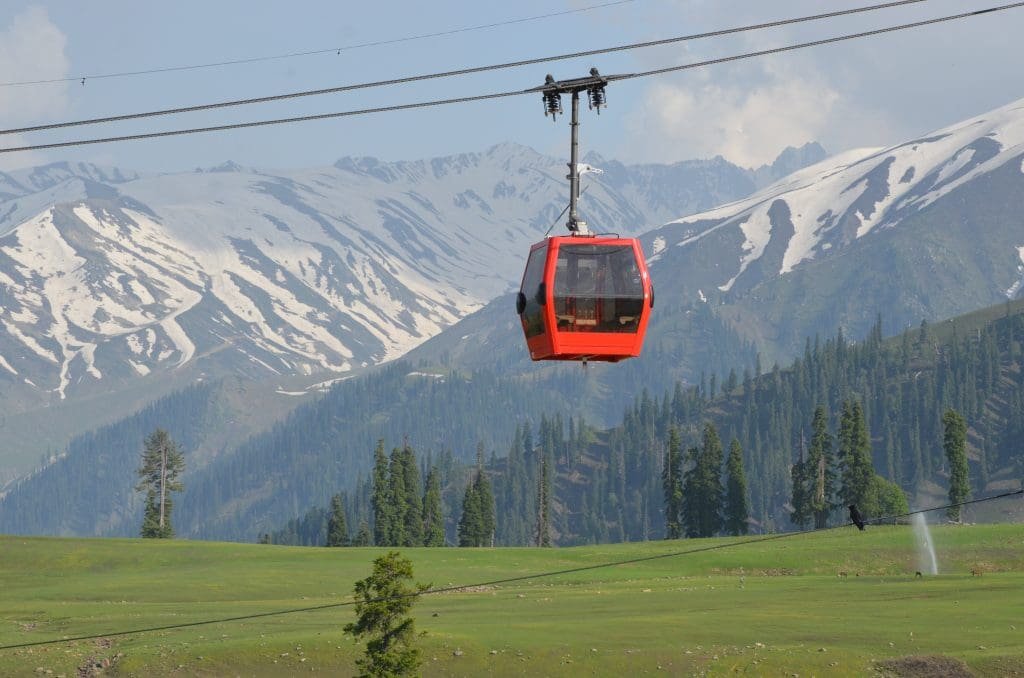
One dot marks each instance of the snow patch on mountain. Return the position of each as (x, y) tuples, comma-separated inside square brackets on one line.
[(847, 197), (757, 231), (107, 275), (1016, 287)]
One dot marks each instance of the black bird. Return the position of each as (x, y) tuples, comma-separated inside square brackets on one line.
[(856, 517)]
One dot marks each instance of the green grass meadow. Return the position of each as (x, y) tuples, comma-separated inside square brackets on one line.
[(827, 603)]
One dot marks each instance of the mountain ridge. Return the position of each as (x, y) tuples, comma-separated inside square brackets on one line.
[(108, 276)]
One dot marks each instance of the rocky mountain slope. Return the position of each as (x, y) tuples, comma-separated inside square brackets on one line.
[(112, 283), (924, 230)]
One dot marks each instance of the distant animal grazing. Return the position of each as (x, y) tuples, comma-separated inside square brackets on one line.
[(918, 575), (976, 572), (841, 574)]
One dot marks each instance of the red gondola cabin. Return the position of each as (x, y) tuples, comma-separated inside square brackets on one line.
[(585, 298)]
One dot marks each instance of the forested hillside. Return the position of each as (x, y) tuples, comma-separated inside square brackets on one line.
[(90, 489), (607, 486), (321, 448)]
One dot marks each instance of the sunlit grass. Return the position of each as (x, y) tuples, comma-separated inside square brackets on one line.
[(825, 603)]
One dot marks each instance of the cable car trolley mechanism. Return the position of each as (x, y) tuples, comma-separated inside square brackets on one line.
[(583, 296)]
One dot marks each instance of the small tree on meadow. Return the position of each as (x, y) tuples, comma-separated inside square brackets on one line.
[(820, 471), (383, 508), (470, 521), (855, 459), (162, 463), (383, 602), (433, 514), (703, 494), (337, 526), (800, 498), (737, 505), (363, 536), (889, 498), (954, 442), (672, 485)]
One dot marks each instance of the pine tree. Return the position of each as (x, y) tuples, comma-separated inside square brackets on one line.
[(399, 496), (691, 494), (703, 493), (162, 463), (800, 512), (672, 485), (363, 537), (800, 498), (484, 497), (737, 505), (543, 533), (470, 520), (383, 509), (855, 452), (337, 527), (412, 516), (819, 470), (954, 442), (433, 516), (382, 602)]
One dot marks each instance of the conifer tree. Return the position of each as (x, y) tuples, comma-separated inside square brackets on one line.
[(672, 485), (855, 451), (383, 509), (543, 534), (702, 487), (484, 497), (383, 601), (412, 516), (433, 516), (470, 520), (363, 537), (337, 527), (800, 498), (691, 494), (820, 470), (737, 505), (162, 463), (954, 443), (399, 497)]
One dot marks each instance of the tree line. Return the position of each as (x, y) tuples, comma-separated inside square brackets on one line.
[(848, 423), (405, 506)]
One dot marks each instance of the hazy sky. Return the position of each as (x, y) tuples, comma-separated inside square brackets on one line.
[(869, 92)]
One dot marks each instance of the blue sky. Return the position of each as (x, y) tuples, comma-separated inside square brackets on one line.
[(871, 92)]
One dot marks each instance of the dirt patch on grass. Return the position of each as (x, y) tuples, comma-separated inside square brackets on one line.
[(1001, 666), (933, 666), (471, 589)]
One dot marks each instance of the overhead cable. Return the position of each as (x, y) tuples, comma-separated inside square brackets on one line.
[(498, 95), (453, 73), (337, 50), (519, 578)]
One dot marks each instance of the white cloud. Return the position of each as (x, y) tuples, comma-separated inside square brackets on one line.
[(746, 123), (31, 48), (869, 92)]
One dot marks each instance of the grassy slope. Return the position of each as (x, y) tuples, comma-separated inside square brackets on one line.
[(768, 608)]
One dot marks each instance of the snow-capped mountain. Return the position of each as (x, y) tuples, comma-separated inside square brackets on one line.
[(106, 273), (325, 269), (844, 198), (926, 229)]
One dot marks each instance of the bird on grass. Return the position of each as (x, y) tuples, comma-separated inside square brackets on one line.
[(856, 517)]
